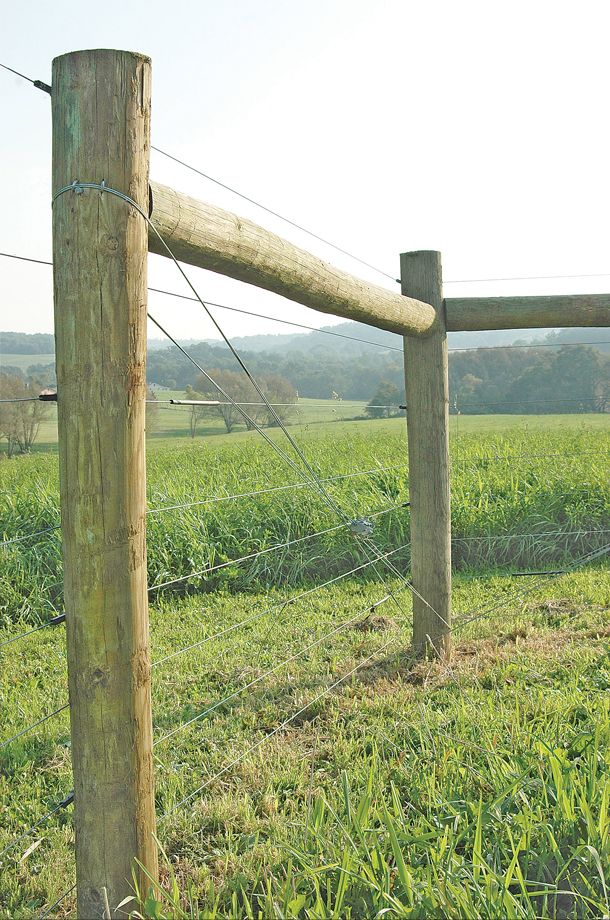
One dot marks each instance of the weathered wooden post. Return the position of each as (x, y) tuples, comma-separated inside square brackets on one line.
[(101, 127), (427, 390)]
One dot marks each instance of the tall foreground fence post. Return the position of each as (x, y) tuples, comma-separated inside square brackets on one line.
[(427, 390), (101, 128)]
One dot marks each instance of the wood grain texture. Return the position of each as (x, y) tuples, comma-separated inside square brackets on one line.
[(472, 313), (427, 390), (209, 237), (101, 126)]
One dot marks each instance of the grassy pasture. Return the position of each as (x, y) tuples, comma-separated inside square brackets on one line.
[(478, 788), (24, 361)]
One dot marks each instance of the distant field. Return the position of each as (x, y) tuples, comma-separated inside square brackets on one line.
[(315, 417), (24, 361)]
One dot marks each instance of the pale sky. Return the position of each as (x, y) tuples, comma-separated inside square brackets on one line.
[(476, 128)]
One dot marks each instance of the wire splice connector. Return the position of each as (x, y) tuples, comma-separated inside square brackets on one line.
[(361, 527)]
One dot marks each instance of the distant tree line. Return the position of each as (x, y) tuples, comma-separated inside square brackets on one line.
[(25, 343), (481, 381), (278, 392)]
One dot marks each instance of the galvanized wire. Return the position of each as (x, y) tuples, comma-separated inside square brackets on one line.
[(268, 672), (30, 728), (280, 605), (276, 730)]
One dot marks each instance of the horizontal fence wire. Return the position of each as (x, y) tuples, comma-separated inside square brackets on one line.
[(23, 635), (343, 335), (485, 611), (276, 730), (344, 625), (279, 605), (25, 731), (295, 485), (29, 536), (59, 807), (518, 536), (269, 549), (56, 903)]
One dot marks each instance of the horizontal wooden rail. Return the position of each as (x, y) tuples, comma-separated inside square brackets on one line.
[(209, 237), (466, 314)]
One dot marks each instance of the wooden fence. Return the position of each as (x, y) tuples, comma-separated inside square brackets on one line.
[(106, 218)]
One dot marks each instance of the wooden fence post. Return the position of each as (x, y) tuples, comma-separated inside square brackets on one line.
[(427, 390), (101, 127)]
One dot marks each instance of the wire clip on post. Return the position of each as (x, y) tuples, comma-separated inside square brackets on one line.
[(60, 618), (67, 801), (361, 527), (48, 396)]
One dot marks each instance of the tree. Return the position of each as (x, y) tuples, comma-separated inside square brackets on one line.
[(20, 420), (385, 401), (278, 391), (197, 413)]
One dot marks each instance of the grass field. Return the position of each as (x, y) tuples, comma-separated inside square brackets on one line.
[(340, 778), (25, 361), (314, 417)]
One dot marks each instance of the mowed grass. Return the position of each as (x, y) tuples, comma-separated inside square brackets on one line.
[(347, 780), (332, 776)]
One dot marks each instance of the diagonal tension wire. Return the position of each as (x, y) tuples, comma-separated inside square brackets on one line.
[(250, 420), (268, 672), (263, 552), (34, 725), (102, 187), (279, 605), (276, 730), (343, 335), (274, 213), (61, 805)]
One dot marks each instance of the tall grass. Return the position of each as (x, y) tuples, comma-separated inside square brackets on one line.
[(520, 485)]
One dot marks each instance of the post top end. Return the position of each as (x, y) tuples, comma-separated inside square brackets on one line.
[(102, 53)]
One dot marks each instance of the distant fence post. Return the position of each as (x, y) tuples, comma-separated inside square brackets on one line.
[(101, 127), (427, 390)]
